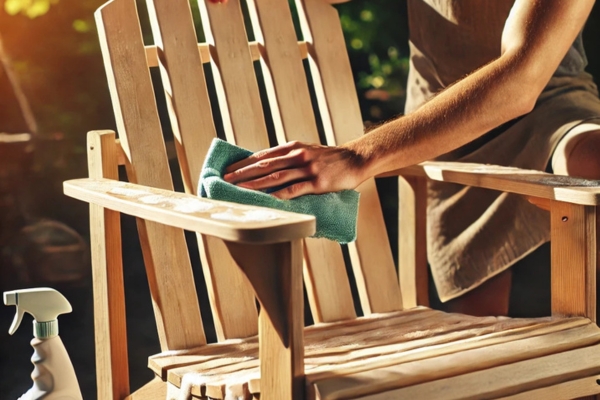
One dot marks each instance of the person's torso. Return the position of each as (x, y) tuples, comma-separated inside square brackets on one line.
[(457, 36)]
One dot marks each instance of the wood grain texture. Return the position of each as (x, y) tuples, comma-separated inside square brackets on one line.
[(574, 252), (232, 300), (574, 389), (228, 221), (164, 248), (276, 275), (508, 179), (364, 344), (371, 256), (110, 330), (412, 244), (185, 86), (337, 100), (328, 287), (483, 373), (233, 73)]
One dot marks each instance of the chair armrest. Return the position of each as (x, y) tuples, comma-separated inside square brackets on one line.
[(508, 179), (228, 221)]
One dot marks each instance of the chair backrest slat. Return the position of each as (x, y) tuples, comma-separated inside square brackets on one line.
[(165, 252), (233, 74), (231, 297), (338, 103), (327, 283)]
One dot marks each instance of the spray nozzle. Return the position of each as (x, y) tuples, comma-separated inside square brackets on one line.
[(44, 304)]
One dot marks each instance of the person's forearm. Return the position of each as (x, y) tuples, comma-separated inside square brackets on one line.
[(536, 37), (482, 101)]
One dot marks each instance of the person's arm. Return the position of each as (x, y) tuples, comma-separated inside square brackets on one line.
[(536, 37)]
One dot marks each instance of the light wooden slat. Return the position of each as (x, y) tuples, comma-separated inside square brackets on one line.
[(326, 281), (163, 362), (365, 351), (371, 256), (168, 268), (166, 364), (185, 86), (204, 51), (320, 368), (500, 371), (574, 252), (412, 243), (508, 179), (233, 73), (219, 373), (110, 330), (338, 104), (228, 221), (328, 287), (574, 389), (231, 297)]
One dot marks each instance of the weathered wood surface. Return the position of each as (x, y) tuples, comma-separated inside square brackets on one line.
[(573, 267), (508, 179), (164, 248), (580, 389), (112, 367), (228, 221), (413, 270), (328, 287), (337, 103), (396, 340), (505, 380), (191, 115)]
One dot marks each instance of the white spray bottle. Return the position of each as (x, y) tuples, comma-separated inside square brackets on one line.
[(53, 375)]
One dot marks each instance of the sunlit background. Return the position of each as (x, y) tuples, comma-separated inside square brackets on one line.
[(52, 91)]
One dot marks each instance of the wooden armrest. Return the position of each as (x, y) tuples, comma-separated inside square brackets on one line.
[(508, 179), (228, 221)]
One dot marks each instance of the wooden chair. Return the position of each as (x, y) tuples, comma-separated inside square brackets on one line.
[(399, 349)]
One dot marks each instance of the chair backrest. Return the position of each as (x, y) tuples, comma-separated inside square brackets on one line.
[(225, 63)]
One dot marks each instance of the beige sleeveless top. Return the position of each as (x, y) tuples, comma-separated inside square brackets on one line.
[(474, 234)]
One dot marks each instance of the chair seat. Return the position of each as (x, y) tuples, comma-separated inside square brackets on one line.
[(381, 352)]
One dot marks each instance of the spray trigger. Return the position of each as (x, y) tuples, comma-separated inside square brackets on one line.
[(16, 322), (12, 299)]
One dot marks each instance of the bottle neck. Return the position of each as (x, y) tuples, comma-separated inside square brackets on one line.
[(45, 330)]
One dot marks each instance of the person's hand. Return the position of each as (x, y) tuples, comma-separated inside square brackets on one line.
[(301, 168)]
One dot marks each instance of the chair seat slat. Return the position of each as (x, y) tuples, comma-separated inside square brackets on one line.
[(381, 342)]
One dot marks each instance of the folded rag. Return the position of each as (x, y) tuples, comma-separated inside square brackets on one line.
[(336, 213)]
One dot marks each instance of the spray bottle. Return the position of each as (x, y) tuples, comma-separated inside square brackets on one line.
[(53, 375)]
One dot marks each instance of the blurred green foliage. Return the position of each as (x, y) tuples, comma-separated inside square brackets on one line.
[(376, 36), (30, 8)]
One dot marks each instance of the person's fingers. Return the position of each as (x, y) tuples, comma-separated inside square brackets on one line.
[(295, 190), (276, 178), (262, 155), (265, 167)]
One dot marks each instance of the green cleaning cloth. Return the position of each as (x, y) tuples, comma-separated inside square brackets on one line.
[(336, 213)]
